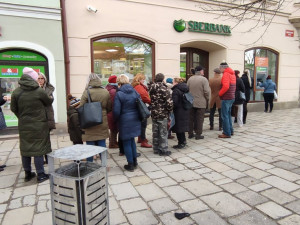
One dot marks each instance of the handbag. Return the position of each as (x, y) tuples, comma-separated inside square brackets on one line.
[(242, 96), (90, 114), (144, 112), (2, 121), (275, 95), (188, 100)]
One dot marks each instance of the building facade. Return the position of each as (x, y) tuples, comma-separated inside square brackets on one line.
[(172, 36), (31, 35)]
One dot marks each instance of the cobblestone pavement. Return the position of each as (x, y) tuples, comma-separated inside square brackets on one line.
[(252, 178)]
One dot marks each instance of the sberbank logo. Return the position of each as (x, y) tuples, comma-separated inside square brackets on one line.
[(179, 25), (202, 27)]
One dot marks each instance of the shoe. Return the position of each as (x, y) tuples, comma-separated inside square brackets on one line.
[(223, 136), (42, 177), (29, 175), (166, 153), (235, 120), (211, 127), (179, 146), (1, 169), (191, 136), (270, 111), (171, 137), (135, 163), (266, 111), (156, 152), (145, 144), (199, 137), (115, 145), (138, 154), (121, 154), (2, 166), (129, 167), (139, 139)]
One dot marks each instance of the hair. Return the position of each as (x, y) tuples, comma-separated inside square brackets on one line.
[(159, 77), (137, 79), (237, 72), (123, 79), (45, 79), (92, 76), (179, 80), (269, 77), (247, 72), (223, 65)]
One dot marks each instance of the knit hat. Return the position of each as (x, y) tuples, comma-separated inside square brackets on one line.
[(112, 79), (269, 77), (217, 70), (30, 72), (198, 68), (74, 102), (169, 80), (224, 65)]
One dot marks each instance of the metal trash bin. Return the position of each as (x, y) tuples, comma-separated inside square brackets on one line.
[(79, 190)]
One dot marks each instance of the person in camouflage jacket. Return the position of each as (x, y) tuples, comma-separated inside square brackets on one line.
[(161, 107)]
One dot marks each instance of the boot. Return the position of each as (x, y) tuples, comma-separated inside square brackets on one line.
[(135, 163), (139, 139), (145, 144), (113, 145), (42, 177), (129, 167), (29, 175)]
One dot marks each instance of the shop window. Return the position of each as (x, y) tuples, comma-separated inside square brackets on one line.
[(261, 62), (115, 55)]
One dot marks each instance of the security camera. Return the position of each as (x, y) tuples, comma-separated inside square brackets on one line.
[(91, 9)]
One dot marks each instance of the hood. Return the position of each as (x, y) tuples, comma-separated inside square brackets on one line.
[(229, 70), (182, 87), (95, 83), (27, 83), (110, 87), (127, 88)]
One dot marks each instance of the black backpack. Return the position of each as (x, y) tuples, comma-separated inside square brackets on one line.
[(188, 100)]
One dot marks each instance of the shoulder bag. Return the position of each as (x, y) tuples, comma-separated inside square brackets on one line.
[(242, 96), (90, 114), (144, 112), (188, 100)]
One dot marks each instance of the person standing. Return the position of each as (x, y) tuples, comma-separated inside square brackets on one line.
[(169, 83), (200, 90), (215, 101), (161, 107), (96, 135), (246, 78), (28, 103), (3, 100), (138, 85), (181, 114), (112, 88), (227, 95), (74, 129), (238, 102), (269, 88), (127, 115)]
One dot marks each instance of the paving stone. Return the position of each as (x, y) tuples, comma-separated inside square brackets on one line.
[(42, 206), (133, 205), (193, 165), (2, 209), (294, 206), (201, 187), (173, 168), (117, 179), (260, 187), (233, 174), (273, 210), (278, 196), (148, 167), (285, 165), (8, 181), (25, 216), (42, 218), (252, 198), (164, 182), (208, 217), (114, 171), (213, 176), (203, 170), (23, 191), (225, 204), (256, 173), (116, 216), (280, 183), (204, 159), (140, 180), (287, 175), (184, 175), (234, 188), (193, 206), (124, 191), (5, 194), (157, 174), (29, 200), (291, 220), (169, 218), (248, 181), (178, 193), (238, 165), (217, 166), (252, 218), (263, 165), (185, 160), (296, 193), (9, 170), (150, 192), (113, 203), (248, 160), (15, 203), (223, 181), (142, 217), (162, 205), (43, 189)]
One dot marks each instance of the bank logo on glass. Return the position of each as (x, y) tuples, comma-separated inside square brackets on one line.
[(179, 25), (9, 71)]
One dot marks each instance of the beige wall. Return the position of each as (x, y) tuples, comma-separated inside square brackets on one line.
[(153, 20)]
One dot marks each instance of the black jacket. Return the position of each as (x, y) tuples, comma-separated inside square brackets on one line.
[(239, 87), (247, 86), (74, 126)]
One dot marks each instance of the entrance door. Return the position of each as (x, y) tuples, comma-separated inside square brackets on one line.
[(190, 58)]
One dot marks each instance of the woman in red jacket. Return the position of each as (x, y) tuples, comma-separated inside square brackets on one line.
[(138, 84)]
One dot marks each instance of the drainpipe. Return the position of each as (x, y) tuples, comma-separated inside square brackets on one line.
[(66, 47)]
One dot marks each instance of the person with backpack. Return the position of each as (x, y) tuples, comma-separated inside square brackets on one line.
[(74, 129)]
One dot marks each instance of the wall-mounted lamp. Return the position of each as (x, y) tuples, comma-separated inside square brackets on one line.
[(91, 9)]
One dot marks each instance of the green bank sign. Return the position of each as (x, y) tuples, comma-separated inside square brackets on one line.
[(202, 27)]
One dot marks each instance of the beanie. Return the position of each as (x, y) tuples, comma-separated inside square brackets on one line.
[(198, 68), (112, 79), (217, 70), (224, 65), (269, 77), (169, 80), (30, 72)]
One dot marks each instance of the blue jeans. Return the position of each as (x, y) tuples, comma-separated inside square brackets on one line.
[(129, 149), (100, 143), (38, 162), (226, 117)]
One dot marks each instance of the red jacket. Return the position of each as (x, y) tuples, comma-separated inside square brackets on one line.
[(142, 90), (228, 83)]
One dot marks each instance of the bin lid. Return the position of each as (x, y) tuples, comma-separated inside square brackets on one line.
[(77, 152)]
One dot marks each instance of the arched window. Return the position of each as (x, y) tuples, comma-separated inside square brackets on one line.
[(261, 62), (122, 54)]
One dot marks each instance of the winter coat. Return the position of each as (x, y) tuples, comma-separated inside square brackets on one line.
[(228, 83), (239, 87), (74, 125), (143, 91), (2, 102), (126, 112), (215, 87), (30, 110), (200, 90), (181, 114), (98, 94), (112, 123), (247, 86), (161, 101), (269, 86)]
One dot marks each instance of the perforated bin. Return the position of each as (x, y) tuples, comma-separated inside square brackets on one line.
[(79, 191)]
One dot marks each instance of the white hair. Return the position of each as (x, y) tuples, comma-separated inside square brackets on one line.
[(92, 76)]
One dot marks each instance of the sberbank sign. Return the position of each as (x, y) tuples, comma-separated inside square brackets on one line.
[(202, 27)]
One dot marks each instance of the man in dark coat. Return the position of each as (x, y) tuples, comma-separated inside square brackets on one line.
[(28, 103)]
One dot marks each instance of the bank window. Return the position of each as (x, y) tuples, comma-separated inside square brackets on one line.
[(122, 55), (261, 62)]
